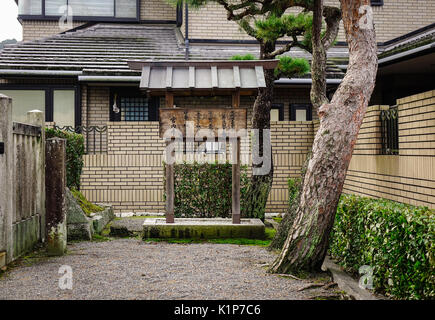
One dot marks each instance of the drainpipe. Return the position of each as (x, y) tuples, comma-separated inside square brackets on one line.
[(186, 31)]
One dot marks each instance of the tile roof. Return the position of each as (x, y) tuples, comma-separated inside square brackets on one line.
[(103, 49)]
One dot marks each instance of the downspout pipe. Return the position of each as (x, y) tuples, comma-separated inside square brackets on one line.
[(186, 30)]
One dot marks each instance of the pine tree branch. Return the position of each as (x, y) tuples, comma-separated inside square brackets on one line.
[(332, 17)]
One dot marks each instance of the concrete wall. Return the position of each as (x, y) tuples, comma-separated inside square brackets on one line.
[(22, 188), (408, 177)]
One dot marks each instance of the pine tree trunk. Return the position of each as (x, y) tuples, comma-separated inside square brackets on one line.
[(340, 121), (260, 185)]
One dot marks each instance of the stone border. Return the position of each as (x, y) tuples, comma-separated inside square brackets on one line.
[(347, 283)]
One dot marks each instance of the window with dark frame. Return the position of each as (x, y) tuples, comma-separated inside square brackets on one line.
[(134, 108), (280, 108), (50, 99), (377, 3), (101, 10), (390, 131), (133, 105), (295, 110)]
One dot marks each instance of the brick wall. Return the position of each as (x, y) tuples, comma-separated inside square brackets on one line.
[(291, 141), (157, 10), (393, 19), (33, 30), (408, 177)]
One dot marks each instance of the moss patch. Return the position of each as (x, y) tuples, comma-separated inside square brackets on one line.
[(269, 232), (86, 206), (277, 219)]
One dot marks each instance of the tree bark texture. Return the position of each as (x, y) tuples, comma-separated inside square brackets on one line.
[(340, 120)]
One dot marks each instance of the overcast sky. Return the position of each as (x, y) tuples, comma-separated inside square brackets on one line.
[(10, 28)]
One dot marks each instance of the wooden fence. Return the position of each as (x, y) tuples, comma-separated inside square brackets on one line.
[(22, 187)]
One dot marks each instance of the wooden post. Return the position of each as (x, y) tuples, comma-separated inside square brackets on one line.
[(7, 198), (170, 195), (170, 192), (236, 99), (55, 183), (169, 99), (236, 184)]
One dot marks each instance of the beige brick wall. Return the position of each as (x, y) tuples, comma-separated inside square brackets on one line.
[(33, 30), (393, 19), (408, 177), (157, 10), (129, 175)]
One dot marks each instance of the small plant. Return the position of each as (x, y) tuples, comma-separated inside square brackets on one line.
[(75, 148)]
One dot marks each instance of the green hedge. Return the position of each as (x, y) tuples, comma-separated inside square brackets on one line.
[(75, 148), (205, 190), (395, 239)]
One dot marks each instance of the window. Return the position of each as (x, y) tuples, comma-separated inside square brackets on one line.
[(300, 112), (30, 7), (63, 107), (89, 9), (390, 131), (24, 101), (277, 112), (132, 105), (377, 3), (134, 109), (60, 104)]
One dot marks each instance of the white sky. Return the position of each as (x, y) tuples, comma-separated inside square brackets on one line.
[(10, 28)]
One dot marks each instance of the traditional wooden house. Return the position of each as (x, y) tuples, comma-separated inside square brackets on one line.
[(80, 77)]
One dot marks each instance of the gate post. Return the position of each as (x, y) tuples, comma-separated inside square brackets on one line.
[(6, 178), (55, 184), (37, 118)]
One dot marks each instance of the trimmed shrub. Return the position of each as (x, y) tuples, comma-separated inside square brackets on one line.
[(205, 190), (395, 239), (75, 148)]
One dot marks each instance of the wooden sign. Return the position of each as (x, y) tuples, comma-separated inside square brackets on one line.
[(202, 118)]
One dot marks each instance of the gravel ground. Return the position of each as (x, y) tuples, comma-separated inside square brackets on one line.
[(133, 269)]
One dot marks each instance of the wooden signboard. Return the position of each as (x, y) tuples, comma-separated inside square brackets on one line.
[(202, 118)]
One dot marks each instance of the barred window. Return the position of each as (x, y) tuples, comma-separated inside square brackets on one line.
[(390, 131), (134, 109)]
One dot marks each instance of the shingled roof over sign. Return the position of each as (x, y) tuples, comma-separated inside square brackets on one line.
[(103, 50)]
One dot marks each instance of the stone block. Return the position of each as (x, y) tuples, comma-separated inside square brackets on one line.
[(203, 228)]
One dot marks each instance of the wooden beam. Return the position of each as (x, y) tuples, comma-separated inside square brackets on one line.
[(170, 193), (169, 99), (236, 99), (145, 78), (236, 183)]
